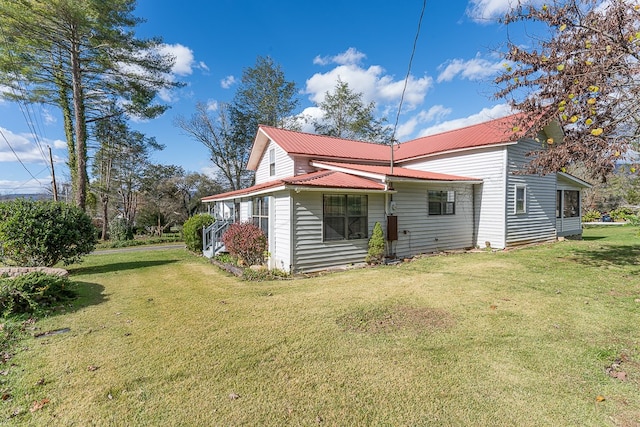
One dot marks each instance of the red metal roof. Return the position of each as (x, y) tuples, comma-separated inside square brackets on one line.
[(244, 191), (319, 179), (333, 179), (494, 132), (398, 172), (326, 146)]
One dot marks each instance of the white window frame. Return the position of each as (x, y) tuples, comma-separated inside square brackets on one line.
[(272, 162), (516, 200)]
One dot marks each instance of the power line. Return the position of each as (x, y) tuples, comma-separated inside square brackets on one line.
[(17, 157), (406, 79)]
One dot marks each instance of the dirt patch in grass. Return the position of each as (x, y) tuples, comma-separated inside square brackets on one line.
[(387, 319)]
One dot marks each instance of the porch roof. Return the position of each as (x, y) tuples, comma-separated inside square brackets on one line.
[(320, 179)]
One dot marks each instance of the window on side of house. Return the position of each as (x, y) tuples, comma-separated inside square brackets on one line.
[(521, 199), (345, 217), (571, 203), (558, 203), (272, 162), (260, 213), (441, 202)]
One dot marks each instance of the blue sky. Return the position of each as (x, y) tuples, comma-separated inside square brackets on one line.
[(367, 44)]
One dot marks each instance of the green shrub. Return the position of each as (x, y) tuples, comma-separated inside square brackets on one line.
[(120, 230), (592, 216), (621, 213), (246, 241), (376, 245), (43, 233), (192, 230), (33, 292)]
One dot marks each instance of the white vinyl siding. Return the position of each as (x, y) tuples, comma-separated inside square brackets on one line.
[(488, 164), (310, 252), (283, 164), (280, 240), (537, 224), (419, 232)]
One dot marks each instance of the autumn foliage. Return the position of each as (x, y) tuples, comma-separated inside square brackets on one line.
[(246, 241), (579, 65)]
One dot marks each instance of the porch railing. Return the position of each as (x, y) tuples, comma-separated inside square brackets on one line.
[(212, 238)]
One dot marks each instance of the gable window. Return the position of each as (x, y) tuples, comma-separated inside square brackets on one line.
[(344, 217), (260, 213), (442, 202), (272, 162), (571, 203), (521, 199)]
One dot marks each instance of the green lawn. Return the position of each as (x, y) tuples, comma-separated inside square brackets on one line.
[(529, 337)]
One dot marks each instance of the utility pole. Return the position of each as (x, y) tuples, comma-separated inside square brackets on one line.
[(53, 177)]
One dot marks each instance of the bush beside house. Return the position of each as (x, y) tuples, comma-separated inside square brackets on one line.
[(192, 231)]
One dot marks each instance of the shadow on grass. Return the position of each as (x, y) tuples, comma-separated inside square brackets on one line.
[(589, 238), (88, 294), (119, 266), (620, 255)]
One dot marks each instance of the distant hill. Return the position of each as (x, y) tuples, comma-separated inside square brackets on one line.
[(38, 196)]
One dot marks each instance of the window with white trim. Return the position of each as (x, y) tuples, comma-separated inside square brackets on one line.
[(272, 162), (521, 199), (345, 217), (442, 202), (260, 213)]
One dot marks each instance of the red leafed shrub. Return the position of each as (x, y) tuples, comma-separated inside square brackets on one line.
[(246, 241)]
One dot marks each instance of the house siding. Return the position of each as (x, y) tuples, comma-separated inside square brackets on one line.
[(284, 164), (419, 232), (280, 240), (538, 223), (488, 164), (310, 252)]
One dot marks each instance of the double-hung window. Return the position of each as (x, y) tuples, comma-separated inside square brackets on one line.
[(442, 202), (272, 162), (260, 213), (521, 199), (345, 217)]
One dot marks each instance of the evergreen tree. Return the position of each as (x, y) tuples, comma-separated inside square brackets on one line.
[(77, 55)]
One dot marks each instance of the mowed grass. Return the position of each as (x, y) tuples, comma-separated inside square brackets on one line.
[(531, 337)]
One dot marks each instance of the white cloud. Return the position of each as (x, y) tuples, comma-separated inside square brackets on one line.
[(15, 146), (349, 57), (486, 114), (184, 60), (203, 66), (488, 11), (60, 144), (472, 69), (435, 113), (48, 118), (212, 105), (23, 147), (372, 82), (30, 186), (227, 82)]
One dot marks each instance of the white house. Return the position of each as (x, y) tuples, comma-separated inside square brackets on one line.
[(317, 198)]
